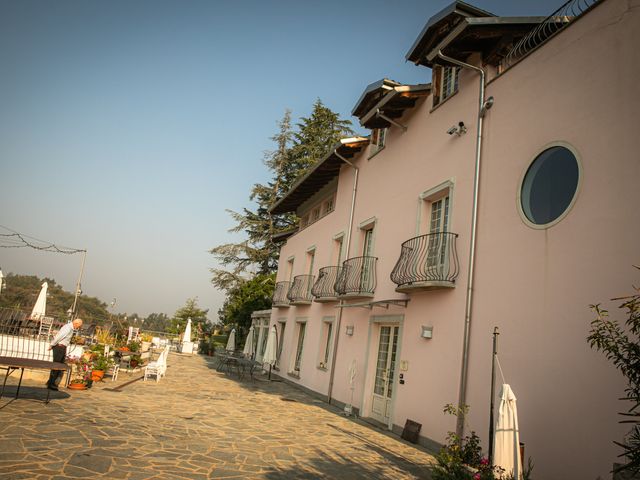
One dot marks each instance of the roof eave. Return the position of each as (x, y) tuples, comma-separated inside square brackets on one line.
[(410, 90), (351, 142)]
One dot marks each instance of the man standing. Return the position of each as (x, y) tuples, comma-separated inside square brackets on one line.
[(59, 346)]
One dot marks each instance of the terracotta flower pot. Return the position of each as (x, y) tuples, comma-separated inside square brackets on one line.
[(97, 375), (77, 386)]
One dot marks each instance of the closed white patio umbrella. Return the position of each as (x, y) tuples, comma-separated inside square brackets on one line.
[(40, 308), (507, 437), (186, 336), (249, 345), (271, 350), (231, 342)]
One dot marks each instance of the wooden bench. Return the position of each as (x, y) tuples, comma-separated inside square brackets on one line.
[(21, 346)]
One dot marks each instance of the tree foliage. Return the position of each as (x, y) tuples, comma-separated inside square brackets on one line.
[(246, 298), (157, 322), (620, 342), (294, 153), (22, 292), (190, 310)]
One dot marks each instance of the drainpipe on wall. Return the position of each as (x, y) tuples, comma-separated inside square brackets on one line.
[(464, 371), (340, 306)]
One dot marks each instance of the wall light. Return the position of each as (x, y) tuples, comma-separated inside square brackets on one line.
[(349, 330), (427, 332)]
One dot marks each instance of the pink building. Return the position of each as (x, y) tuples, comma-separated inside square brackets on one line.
[(378, 275)]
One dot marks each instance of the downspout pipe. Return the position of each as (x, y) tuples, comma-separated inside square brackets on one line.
[(336, 333), (464, 370)]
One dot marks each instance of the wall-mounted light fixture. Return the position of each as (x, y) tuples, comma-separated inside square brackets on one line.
[(349, 330), (427, 331)]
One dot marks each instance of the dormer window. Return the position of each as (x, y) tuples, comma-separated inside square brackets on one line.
[(317, 211), (445, 80), (315, 214), (378, 136)]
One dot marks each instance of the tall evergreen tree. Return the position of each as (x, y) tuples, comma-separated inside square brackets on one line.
[(257, 255), (257, 251), (316, 134)]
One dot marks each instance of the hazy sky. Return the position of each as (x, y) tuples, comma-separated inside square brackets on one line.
[(128, 127)]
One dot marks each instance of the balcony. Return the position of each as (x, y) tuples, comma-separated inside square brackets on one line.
[(427, 262), (280, 299), (357, 278), (300, 291), (324, 290)]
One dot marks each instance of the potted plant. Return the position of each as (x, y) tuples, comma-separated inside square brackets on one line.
[(145, 340), (101, 364), (81, 372), (133, 346)]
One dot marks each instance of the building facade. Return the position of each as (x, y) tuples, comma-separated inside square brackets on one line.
[(458, 214)]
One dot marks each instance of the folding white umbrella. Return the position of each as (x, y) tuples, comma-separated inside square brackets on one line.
[(186, 337), (507, 437), (231, 342), (271, 350), (248, 346), (40, 308), (1, 280)]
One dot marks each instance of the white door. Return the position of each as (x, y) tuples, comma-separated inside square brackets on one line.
[(437, 257), (367, 251), (385, 373)]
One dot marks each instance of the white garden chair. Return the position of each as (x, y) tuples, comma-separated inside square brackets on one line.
[(157, 367)]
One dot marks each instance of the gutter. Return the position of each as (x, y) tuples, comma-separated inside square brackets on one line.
[(334, 354), (482, 110)]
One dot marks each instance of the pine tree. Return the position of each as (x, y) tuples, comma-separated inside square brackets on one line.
[(257, 252), (315, 136), (294, 153)]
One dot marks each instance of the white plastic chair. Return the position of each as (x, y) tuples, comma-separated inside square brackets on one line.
[(113, 371), (157, 367), (45, 326)]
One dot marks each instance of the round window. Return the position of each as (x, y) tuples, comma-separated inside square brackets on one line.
[(550, 185)]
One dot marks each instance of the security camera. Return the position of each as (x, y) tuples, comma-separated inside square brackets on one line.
[(461, 128), (453, 130)]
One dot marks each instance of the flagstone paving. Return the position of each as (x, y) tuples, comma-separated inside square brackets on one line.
[(196, 423)]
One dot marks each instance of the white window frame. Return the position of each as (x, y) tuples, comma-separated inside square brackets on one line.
[(326, 343), (449, 82), (378, 140), (298, 350)]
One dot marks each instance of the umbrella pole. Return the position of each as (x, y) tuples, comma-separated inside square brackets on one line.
[(493, 386), (269, 371)]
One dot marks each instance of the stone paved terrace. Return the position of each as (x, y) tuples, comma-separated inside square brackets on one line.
[(196, 423)]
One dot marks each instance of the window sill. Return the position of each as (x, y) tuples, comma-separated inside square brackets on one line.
[(319, 367), (294, 375), (376, 153), (435, 107)]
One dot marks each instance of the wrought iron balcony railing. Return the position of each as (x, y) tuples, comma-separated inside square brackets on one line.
[(357, 277), (427, 262), (555, 22), (324, 290), (300, 291), (280, 294)]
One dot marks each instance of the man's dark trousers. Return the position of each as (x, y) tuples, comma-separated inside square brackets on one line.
[(59, 354)]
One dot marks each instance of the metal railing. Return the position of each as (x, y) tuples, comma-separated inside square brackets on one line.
[(357, 276), (280, 294), (325, 286), (555, 22), (20, 336), (427, 258), (300, 290)]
